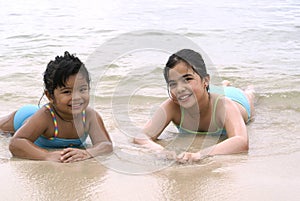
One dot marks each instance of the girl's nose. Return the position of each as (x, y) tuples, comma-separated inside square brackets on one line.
[(181, 87), (76, 95)]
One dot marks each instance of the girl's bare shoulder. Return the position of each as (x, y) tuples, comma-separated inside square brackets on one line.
[(92, 114), (43, 114), (172, 110), (170, 105)]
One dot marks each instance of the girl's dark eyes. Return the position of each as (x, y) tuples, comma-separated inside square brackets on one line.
[(84, 89), (66, 92), (188, 78), (185, 80), (172, 84)]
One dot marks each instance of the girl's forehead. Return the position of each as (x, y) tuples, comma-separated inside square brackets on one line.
[(180, 69), (75, 79)]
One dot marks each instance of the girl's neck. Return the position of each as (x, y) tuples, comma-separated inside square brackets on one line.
[(202, 108), (66, 118)]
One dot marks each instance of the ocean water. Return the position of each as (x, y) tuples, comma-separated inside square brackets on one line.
[(125, 45)]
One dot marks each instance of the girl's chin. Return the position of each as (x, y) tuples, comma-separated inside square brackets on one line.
[(187, 104), (77, 110)]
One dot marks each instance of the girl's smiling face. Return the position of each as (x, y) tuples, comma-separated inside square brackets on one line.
[(185, 85), (72, 98)]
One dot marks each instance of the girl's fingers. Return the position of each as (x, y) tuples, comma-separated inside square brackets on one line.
[(188, 157), (73, 158), (66, 150), (74, 155), (67, 154), (182, 158)]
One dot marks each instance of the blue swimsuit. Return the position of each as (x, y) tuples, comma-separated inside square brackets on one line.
[(28, 110), (238, 96)]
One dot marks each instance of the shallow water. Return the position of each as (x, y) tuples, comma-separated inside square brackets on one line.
[(250, 43)]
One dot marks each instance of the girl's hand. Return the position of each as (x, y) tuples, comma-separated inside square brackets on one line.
[(72, 155), (54, 156), (159, 151), (166, 154), (188, 157)]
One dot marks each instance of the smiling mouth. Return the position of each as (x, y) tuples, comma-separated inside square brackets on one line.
[(76, 106), (184, 97)]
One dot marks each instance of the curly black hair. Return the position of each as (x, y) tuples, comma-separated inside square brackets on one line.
[(59, 70)]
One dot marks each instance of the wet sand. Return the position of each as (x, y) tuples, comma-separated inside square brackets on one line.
[(232, 177)]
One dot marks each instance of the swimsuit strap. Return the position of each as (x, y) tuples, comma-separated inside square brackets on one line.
[(182, 117), (214, 111), (83, 117), (55, 121)]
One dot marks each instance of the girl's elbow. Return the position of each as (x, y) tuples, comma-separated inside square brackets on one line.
[(110, 147), (107, 147), (244, 145), (138, 141), (13, 146)]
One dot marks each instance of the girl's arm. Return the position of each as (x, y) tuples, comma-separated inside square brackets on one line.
[(21, 144), (160, 120), (99, 136), (237, 141), (236, 130)]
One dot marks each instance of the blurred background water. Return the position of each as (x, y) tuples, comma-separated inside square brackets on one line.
[(249, 43)]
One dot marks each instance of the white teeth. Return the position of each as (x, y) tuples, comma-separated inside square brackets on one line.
[(76, 105), (183, 97)]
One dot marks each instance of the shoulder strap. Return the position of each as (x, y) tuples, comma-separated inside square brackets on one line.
[(84, 117), (54, 120), (214, 111), (181, 117)]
